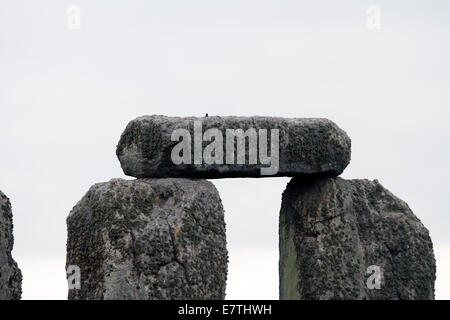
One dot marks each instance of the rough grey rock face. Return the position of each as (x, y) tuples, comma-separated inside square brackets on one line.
[(10, 275), (332, 230), (306, 147), (149, 239)]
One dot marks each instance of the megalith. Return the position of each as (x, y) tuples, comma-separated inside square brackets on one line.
[(10, 274), (227, 147), (148, 239), (351, 239)]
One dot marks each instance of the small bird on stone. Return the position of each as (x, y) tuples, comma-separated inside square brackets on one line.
[(206, 115)]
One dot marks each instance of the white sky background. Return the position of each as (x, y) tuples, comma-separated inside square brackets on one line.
[(66, 96)]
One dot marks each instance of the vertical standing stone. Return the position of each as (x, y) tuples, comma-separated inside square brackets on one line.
[(149, 239), (10, 275), (336, 234)]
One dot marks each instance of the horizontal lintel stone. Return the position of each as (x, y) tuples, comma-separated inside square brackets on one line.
[(226, 147)]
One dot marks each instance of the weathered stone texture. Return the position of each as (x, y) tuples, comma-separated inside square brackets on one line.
[(149, 239), (306, 147), (332, 230), (10, 275)]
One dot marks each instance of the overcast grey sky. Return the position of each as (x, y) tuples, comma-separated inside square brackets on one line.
[(66, 95)]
